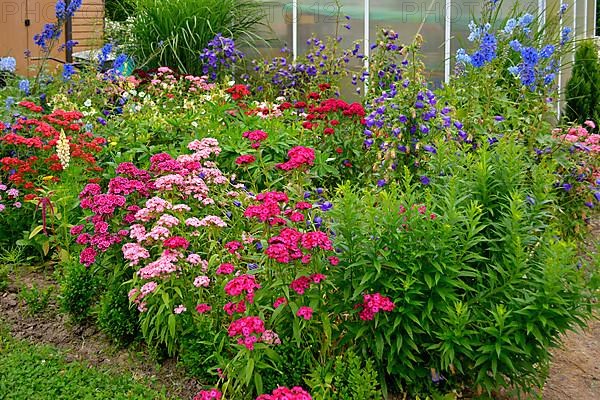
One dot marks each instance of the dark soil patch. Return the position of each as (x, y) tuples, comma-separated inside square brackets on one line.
[(85, 343)]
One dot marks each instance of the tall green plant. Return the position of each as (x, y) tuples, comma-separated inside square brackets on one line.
[(173, 33), (583, 89)]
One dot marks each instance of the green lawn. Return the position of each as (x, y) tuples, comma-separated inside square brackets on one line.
[(30, 372)]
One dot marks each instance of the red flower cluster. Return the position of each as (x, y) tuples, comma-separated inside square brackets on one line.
[(298, 157), (283, 393), (245, 159), (247, 327), (238, 91), (36, 139), (372, 304)]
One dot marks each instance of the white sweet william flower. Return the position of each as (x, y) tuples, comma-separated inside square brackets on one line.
[(87, 103)]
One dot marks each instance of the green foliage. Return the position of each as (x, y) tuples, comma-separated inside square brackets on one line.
[(35, 298), (174, 32), (117, 319), (3, 277), (349, 377), (118, 10), (39, 372), (583, 89), (79, 291), (481, 285)]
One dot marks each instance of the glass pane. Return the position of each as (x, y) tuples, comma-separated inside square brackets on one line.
[(408, 18)]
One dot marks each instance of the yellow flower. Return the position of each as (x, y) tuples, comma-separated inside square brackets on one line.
[(47, 178)]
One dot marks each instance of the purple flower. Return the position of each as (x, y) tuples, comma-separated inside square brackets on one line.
[(381, 183), (430, 149), (424, 180), (318, 221), (567, 187), (326, 206)]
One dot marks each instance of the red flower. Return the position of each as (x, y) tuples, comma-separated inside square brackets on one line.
[(245, 159), (324, 86), (328, 131), (238, 91), (298, 156)]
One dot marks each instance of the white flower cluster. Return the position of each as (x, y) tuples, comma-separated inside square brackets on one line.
[(63, 150)]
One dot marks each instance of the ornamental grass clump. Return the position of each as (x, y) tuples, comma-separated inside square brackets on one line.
[(179, 33)]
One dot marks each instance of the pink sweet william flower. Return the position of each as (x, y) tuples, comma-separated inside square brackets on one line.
[(176, 242), (283, 393), (133, 252), (148, 288), (212, 394), (225, 269), (203, 308), (305, 312), (333, 260), (301, 284), (202, 281), (372, 304), (590, 124), (232, 308), (179, 309)]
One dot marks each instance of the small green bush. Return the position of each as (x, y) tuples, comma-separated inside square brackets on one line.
[(36, 299), (482, 285), (117, 319), (79, 290), (583, 89)]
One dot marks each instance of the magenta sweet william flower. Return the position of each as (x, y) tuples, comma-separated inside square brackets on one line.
[(305, 312), (176, 242), (242, 284), (247, 327), (279, 301), (245, 159), (297, 157), (212, 394), (203, 308), (225, 269), (372, 304), (88, 256), (76, 230), (283, 393)]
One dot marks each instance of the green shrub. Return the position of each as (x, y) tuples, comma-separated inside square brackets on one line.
[(348, 377), (173, 33), (79, 291), (36, 299), (117, 319), (482, 285), (3, 277), (583, 89)]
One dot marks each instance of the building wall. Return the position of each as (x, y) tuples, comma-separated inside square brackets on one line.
[(16, 35)]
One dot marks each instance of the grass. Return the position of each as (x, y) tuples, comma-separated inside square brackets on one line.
[(29, 371)]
